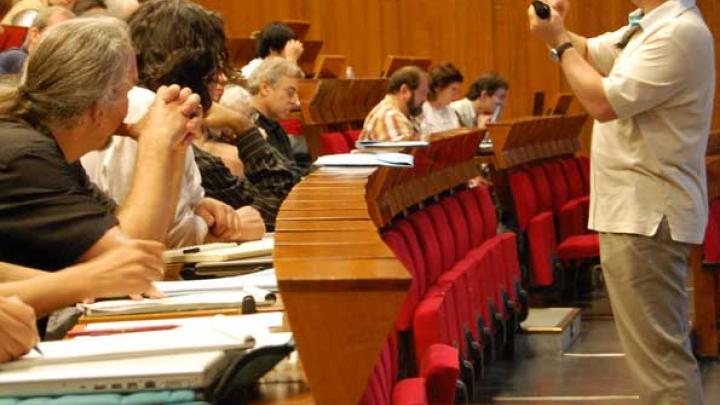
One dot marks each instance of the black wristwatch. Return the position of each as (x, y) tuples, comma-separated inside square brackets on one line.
[(557, 53)]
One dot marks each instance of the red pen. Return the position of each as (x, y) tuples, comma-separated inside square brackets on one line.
[(104, 332)]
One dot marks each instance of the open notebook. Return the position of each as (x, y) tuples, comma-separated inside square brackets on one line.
[(219, 252)]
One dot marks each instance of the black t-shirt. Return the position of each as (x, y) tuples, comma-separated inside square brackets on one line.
[(50, 212)]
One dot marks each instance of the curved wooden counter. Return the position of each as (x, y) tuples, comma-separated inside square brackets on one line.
[(341, 285)]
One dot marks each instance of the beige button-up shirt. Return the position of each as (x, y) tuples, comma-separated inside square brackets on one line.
[(650, 162)]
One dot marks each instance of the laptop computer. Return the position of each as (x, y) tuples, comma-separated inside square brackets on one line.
[(166, 372)]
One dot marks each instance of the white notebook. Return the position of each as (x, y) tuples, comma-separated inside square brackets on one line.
[(174, 371), (401, 160), (220, 252), (218, 336), (360, 144)]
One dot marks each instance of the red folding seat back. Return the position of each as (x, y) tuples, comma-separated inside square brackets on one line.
[(293, 126), (497, 274), (573, 177), (583, 163), (411, 241), (579, 247), (511, 263), (523, 197), (333, 143), (487, 207), (558, 184), (429, 324), (543, 250), (439, 367), (473, 216), (394, 239), (584, 175), (458, 225), (379, 390), (444, 233), (542, 188), (352, 136), (711, 247), (480, 282), (429, 244)]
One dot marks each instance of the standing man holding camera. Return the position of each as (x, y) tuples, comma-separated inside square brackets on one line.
[(650, 87)]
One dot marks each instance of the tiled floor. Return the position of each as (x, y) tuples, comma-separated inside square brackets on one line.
[(592, 372)]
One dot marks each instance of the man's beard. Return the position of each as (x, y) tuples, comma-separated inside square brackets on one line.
[(412, 108)]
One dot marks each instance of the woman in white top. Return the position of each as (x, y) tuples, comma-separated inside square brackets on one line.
[(445, 80)]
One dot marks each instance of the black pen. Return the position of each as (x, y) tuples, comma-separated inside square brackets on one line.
[(37, 349)]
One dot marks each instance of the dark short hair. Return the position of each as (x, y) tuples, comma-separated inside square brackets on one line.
[(82, 6), (273, 37), (443, 75), (408, 75), (489, 83), (179, 42)]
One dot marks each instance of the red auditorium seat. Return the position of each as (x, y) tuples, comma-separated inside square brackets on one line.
[(583, 164), (293, 127), (444, 233), (333, 143), (573, 177), (458, 225), (711, 247), (422, 224), (352, 136), (12, 37), (473, 217), (395, 240)]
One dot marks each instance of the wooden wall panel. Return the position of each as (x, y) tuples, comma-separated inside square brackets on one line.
[(476, 35)]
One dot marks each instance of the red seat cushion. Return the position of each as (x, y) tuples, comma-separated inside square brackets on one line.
[(573, 217), (579, 247)]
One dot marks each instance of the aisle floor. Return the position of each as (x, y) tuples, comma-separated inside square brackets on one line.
[(593, 371)]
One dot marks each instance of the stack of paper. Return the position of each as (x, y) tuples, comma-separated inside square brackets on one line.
[(361, 144), (219, 252), (401, 160), (188, 295)]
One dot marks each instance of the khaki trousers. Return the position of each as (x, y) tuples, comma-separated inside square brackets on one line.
[(646, 278)]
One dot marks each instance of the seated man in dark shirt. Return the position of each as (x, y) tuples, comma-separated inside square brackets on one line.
[(12, 60), (72, 99), (274, 89)]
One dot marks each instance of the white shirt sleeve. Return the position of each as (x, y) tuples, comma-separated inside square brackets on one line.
[(655, 72), (113, 168), (602, 51)]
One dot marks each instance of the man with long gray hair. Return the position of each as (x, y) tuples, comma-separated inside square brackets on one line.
[(70, 100)]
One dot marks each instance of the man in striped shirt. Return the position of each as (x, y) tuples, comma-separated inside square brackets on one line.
[(394, 118)]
